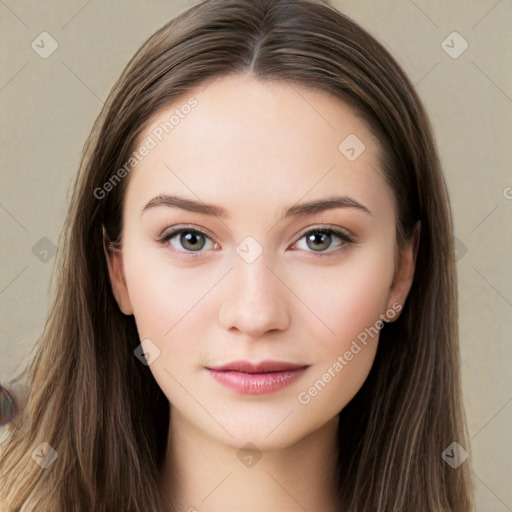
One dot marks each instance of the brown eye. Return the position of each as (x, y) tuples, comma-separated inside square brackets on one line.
[(192, 240), (187, 240), (319, 240)]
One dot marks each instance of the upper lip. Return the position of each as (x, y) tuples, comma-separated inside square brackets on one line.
[(261, 367)]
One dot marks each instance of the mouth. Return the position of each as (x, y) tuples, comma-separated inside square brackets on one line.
[(249, 378)]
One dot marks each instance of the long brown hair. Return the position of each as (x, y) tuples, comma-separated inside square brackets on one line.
[(103, 412)]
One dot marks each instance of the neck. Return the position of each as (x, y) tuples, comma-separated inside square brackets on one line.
[(202, 474)]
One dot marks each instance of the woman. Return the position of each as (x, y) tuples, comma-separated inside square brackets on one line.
[(256, 297)]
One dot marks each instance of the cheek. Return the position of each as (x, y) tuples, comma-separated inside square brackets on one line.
[(154, 303), (344, 298), (169, 304), (344, 359), (349, 297)]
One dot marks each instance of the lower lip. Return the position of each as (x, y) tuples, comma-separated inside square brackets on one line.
[(256, 383)]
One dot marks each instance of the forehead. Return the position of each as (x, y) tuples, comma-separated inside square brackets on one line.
[(239, 137)]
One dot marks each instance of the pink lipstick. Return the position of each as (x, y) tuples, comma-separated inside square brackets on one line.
[(249, 378)]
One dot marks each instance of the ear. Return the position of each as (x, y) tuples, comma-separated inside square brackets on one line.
[(114, 257), (404, 272)]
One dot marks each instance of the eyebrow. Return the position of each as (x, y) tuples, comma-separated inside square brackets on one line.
[(295, 211)]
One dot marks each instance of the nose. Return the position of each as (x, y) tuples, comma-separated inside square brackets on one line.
[(255, 300)]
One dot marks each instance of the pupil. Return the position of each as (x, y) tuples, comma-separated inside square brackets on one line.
[(313, 238), (190, 239)]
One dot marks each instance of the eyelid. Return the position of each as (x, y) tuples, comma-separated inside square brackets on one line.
[(345, 235), (171, 231), (321, 227), (327, 227), (175, 229)]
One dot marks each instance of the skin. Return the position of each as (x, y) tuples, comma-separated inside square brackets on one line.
[(255, 148)]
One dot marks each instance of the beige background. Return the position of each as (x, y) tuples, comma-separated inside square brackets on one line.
[(48, 106)]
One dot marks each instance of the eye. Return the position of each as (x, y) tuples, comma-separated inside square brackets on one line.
[(320, 239), (187, 240), (191, 241)]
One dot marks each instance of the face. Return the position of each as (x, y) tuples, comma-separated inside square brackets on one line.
[(262, 314)]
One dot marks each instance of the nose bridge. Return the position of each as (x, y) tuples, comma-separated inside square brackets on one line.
[(256, 301)]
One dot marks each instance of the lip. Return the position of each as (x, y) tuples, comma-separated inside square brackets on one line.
[(249, 378)]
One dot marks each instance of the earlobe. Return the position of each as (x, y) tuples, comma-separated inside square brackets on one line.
[(114, 257), (404, 273)]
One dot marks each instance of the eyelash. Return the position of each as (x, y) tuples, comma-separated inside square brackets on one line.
[(344, 237)]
